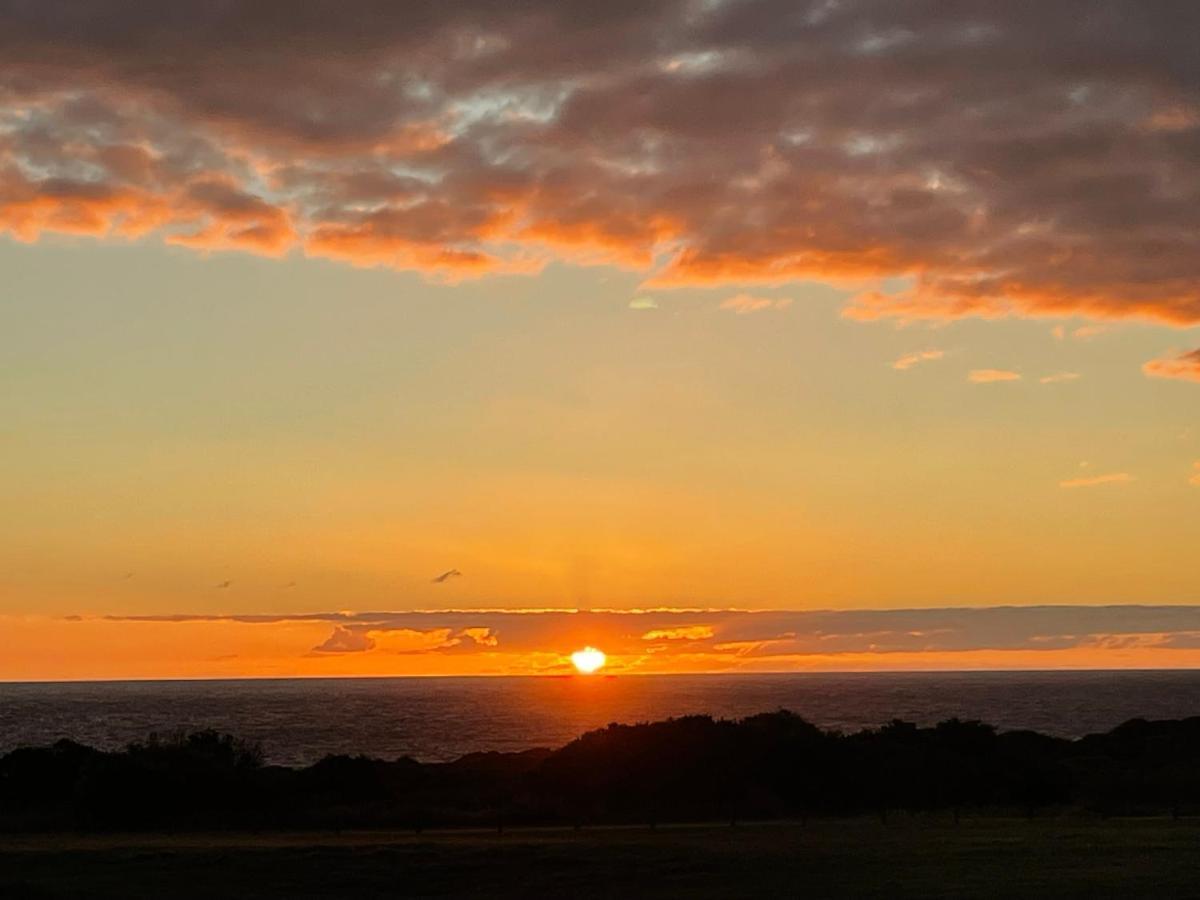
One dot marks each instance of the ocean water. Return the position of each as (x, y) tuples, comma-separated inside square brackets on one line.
[(298, 721)]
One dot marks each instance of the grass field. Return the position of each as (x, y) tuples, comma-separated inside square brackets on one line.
[(914, 857)]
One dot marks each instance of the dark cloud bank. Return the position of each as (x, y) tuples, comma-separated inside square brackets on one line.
[(1006, 158), (738, 633)]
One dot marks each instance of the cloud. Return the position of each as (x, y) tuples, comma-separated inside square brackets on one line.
[(1096, 480), (1059, 377), (1087, 332), (1195, 477), (684, 633), (482, 637), (1185, 366), (643, 303), (346, 640), (742, 304), (365, 636), (999, 158), (908, 360), (1082, 332), (727, 638), (989, 376), (406, 641)]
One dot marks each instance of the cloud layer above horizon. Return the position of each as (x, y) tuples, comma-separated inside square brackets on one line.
[(539, 641), (999, 158)]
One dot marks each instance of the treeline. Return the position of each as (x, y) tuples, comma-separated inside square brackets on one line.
[(695, 768)]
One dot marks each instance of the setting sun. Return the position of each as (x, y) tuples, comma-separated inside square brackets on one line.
[(588, 660)]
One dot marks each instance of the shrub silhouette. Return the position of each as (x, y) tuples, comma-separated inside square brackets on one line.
[(693, 768)]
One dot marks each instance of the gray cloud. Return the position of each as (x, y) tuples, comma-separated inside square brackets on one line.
[(1009, 158), (747, 633), (346, 640)]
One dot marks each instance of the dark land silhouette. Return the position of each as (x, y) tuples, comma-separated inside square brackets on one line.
[(774, 766)]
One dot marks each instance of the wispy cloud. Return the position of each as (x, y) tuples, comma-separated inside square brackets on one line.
[(908, 360), (1185, 366), (643, 303), (1059, 377), (1195, 477), (990, 376), (683, 633), (743, 304), (1081, 332), (1096, 480)]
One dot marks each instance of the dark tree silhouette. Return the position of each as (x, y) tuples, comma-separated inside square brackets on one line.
[(695, 768)]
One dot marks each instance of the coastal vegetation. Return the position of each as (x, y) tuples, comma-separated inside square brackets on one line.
[(773, 766)]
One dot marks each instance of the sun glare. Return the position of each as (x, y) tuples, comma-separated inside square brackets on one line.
[(588, 660)]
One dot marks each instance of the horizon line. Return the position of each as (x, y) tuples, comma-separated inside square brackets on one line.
[(609, 676)]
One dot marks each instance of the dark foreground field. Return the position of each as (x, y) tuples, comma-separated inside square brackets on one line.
[(909, 857)]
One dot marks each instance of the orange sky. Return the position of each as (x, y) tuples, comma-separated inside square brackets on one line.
[(712, 306)]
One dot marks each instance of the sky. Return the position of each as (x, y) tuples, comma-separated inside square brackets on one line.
[(733, 335)]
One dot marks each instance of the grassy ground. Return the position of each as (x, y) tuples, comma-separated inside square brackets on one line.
[(1062, 858)]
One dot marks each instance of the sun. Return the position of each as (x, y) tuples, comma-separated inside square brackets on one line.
[(588, 660)]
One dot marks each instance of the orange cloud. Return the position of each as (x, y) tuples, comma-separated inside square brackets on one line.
[(1059, 377), (1195, 478), (1185, 366), (207, 214), (989, 376), (411, 640), (686, 633), (1095, 480), (1173, 118), (908, 360), (483, 637), (973, 294), (828, 150)]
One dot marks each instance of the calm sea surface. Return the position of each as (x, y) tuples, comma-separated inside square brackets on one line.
[(299, 721)]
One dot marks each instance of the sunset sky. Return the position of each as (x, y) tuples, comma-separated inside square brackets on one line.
[(778, 335)]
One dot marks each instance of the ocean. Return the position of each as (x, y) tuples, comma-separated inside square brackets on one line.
[(297, 721)]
